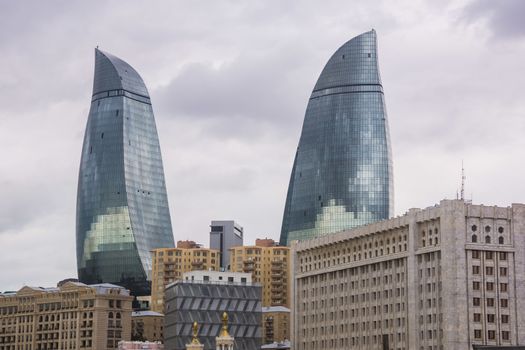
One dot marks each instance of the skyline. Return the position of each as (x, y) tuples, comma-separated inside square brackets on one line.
[(277, 52)]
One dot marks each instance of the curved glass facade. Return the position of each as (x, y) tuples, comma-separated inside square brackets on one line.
[(342, 172), (122, 205)]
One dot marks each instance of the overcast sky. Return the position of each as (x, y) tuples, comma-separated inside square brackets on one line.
[(229, 82)]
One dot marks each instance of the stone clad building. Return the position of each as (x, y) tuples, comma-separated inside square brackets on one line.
[(72, 316), (169, 264), (445, 277)]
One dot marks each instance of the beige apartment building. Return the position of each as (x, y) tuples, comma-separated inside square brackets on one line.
[(147, 326), (71, 316), (441, 278), (276, 324), (169, 264), (269, 265)]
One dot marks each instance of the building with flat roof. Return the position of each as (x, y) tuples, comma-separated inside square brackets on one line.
[(445, 277), (203, 297), (225, 234), (276, 324), (342, 172), (140, 345), (269, 265), (147, 326), (169, 265), (71, 316)]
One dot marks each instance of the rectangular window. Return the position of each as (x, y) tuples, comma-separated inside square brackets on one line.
[(489, 270), (475, 270), (491, 335), (505, 335), (504, 303), (490, 318), (475, 301), (488, 255), (503, 256), (504, 318), (475, 285), (475, 254), (477, 333), (490, 302), (503, 271), (490, 286), (503, 287), (477, 317)]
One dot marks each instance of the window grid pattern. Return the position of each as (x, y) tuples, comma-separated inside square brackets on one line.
[(122, 207), (342, 172)]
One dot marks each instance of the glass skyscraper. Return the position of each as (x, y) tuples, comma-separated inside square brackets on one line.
[(342, 172), (122, 205)]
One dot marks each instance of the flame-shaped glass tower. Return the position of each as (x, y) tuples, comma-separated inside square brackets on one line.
[(122, 205), (342, 172)]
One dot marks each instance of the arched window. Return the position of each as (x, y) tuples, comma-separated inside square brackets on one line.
[(436, 241), (474, 239), (118, 314), (487, 239), (501, 240), (110, 315)]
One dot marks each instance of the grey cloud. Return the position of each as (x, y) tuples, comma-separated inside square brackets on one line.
[(504, 17)]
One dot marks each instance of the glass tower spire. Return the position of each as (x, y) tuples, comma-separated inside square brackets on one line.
[(122, 205), (342, 172)]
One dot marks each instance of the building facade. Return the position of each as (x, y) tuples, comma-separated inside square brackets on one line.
[(342, 173), (72, 316), (224, 235), (203, 297), (147, 326), (446, 277), (276, 324), (122, 205), (269, 265), (169, 265), (139, 345)]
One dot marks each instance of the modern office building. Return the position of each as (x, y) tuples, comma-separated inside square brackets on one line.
[(447, 277), (147, 326), (203, 297), (224, 235), (122, 206), (276, 324), (342, 173), (169, 265), (71, 316), (269, 265)]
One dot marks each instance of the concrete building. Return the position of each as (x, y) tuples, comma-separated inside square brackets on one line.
[(269, 265), (224, 235), (446, 277), (276, 324), (147, 326), (203, 297), (72, 316), (140, 345), (169, 264)]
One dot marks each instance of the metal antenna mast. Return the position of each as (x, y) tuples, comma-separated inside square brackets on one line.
[(462, 182)]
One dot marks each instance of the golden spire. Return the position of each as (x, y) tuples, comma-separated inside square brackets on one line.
[(195, 340), (224, 331)]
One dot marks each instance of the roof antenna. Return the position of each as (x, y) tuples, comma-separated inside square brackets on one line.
[(462, 182)]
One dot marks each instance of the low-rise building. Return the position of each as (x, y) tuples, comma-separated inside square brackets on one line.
[(71, 316), (276, 324), (169, 264), (203, 297), (447, 277), (147, 326), (140, 345)]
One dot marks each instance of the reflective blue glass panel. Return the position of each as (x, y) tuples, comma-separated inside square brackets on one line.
[(342, 172), (122, 205)]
